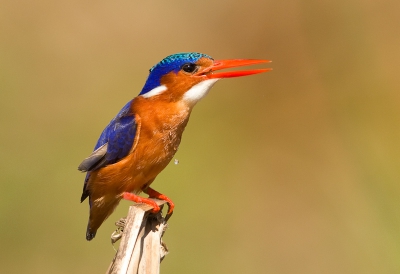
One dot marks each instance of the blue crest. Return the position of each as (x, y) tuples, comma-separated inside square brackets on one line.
[(168, 64)]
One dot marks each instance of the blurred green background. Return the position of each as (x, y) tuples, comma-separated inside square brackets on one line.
[(293, 171)]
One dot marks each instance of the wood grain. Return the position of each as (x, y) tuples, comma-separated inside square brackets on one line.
[(141, 249)]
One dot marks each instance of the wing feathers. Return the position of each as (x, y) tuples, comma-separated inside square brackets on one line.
[(95, 159), (115, 143)]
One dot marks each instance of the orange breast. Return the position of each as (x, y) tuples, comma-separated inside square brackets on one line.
[(159, 132)]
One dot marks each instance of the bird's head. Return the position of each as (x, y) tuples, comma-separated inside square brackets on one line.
[(187, 77)]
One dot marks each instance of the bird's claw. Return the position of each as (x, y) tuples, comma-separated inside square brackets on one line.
[(155, 194), (168, 216)]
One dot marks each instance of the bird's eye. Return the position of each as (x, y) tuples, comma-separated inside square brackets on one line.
[(189, 67)]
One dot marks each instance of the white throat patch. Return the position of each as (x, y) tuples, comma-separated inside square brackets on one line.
[(198, 91), (155, 91)]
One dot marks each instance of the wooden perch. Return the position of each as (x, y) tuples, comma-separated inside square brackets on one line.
[(141, 249)]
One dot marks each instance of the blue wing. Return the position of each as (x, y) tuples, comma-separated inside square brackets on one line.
[(114, 143)]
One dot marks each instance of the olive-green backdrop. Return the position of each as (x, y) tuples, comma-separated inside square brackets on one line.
[(292, 171)]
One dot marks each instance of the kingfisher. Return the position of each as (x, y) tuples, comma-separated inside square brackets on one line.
[(143, 137)]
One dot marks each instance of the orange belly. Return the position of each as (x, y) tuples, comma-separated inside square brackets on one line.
[(155, 145), (133, 173)]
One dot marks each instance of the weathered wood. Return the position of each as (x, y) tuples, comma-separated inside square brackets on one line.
[(152, 247), (141, 249)]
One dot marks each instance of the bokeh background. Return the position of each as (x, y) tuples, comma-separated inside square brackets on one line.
[(293, 171)]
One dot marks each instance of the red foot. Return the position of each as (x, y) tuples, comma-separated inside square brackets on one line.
[(137, 199), (154, 194)]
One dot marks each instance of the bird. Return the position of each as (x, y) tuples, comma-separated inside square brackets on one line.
[(143, 137)]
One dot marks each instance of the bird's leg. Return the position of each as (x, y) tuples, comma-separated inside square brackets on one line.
[(137, 199), (155, 194)]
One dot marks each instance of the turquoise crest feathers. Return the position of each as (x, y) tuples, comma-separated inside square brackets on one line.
[(187, 57)]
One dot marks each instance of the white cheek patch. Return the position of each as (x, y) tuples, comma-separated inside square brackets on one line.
[(198, 91), (155, 91)]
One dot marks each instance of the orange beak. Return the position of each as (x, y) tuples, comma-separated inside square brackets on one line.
[(223, 64)]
